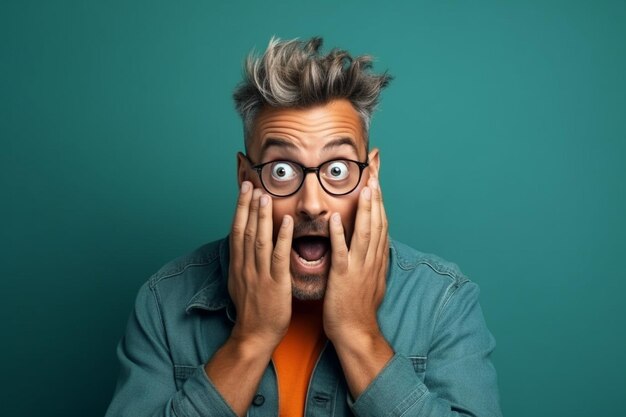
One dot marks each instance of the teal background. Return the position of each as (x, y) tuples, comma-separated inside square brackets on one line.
[(503, 146)]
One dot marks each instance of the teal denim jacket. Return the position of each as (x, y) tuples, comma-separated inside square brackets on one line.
[(430, 316)]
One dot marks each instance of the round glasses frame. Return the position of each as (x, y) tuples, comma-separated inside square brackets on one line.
[(307, 170)]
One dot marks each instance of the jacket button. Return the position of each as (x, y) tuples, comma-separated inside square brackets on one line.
[(258, 400)]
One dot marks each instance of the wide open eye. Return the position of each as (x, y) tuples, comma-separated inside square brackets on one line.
[(283, 171), (336, 171)]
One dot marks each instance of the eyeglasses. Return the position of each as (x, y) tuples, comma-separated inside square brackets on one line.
[(282, 178)]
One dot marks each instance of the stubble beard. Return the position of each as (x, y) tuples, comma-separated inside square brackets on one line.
[(310, 287), (306, 287)]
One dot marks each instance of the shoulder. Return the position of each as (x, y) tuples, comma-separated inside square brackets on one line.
[(193, 264), (426, 276), (411, 261), (201, 271), (421, 289)]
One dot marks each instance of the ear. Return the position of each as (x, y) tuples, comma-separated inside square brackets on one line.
[(374, 162), (242, 168)]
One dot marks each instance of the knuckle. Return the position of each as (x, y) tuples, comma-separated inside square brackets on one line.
[(260, 244), (283, 242), (364, 235), (283, 234), (278, 257), (237, 229), (242, 204), (249, 236)]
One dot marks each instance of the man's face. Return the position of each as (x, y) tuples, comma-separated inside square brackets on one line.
[(310, 136)]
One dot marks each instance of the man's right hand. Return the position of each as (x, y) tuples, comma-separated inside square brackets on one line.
[(259, 281)]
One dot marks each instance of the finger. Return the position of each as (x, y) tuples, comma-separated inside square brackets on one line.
[(376, 219), (339, 249), (362, 225), (249, 236), (384, 266), (383, 246), (282, 250), (239, 223), (263, 243)]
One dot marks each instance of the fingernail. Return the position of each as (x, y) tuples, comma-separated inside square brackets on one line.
[(336, 218), (256, 193), (264, 200), (245, 187), (374, 183), (367, 193), (286, 221)]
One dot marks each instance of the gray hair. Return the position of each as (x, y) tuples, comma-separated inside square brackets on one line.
[(294, 74)]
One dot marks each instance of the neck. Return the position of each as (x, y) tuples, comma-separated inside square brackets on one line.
[(311, 307)]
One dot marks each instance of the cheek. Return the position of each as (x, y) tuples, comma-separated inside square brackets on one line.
[(279, 209), (348, 210)]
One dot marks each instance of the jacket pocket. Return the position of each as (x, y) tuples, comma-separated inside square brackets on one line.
[(419, 365), (182, 373)]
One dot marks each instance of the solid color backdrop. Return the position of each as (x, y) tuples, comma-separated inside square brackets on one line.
[(503, 148)]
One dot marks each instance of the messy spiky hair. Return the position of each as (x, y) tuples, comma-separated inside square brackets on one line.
[(294, 73)]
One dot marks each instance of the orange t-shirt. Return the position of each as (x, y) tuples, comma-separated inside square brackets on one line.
[(296, 355)]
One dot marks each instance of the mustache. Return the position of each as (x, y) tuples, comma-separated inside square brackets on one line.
[(317, 226)]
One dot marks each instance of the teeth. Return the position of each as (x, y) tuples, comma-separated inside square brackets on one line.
[(311, 263)]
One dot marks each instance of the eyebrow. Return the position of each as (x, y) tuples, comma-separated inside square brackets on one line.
[(336, 143), (282, 143)]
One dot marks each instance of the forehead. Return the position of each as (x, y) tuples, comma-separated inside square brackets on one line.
[(309, 131)]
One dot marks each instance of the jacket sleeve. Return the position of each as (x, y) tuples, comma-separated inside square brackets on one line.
[(146, 386), (460, 379)]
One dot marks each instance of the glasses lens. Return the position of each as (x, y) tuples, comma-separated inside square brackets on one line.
[(281, 177), (340, 176)]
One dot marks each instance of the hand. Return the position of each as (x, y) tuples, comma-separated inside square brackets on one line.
[(356, 282), (259, 281)]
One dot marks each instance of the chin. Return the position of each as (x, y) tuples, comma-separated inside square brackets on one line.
[(308, 287)]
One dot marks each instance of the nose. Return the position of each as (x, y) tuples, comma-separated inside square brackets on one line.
[(312, 198)]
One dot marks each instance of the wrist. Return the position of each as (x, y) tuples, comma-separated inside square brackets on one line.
[(357, 339), (353, 331), (248, 345), (362, 356)]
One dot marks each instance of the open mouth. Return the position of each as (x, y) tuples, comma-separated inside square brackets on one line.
[(311, 251)]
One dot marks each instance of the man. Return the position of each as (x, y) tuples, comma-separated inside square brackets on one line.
[(307, 308)]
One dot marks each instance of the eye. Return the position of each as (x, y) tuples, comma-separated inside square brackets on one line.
[(283, 171), (337, 170)]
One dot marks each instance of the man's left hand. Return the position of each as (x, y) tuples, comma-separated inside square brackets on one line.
[(355, 290)]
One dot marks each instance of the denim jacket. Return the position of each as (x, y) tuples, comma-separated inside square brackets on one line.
[(430, 316)]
